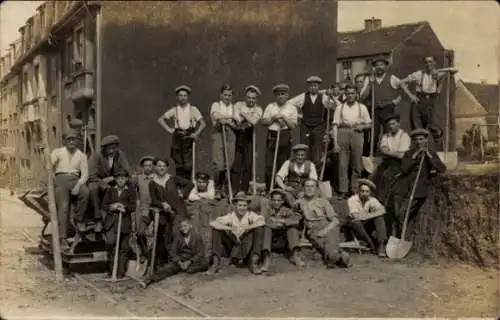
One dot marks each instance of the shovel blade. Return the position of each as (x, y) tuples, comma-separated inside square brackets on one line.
[(369, 164), (135, 269), (326, 189), (397, 248)]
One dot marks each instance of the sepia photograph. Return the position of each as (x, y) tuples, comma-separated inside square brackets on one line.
[(244, 159)]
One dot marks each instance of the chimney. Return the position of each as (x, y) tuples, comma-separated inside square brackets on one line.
[(483, 81), (373, 24)]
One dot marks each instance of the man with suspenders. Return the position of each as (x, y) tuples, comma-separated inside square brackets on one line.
[(186, 118), (349, 121)]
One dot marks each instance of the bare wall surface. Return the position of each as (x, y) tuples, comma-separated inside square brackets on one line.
[(149, 48)]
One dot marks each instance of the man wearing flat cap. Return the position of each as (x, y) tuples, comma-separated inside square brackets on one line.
[(407, 176), (76, 126), (393, 146), (247, 115), (294, 172), (385, 87), (143, 180), (313, 114), (364, 209), (185, 123), (102, 165), (283, 117), (71, 174)]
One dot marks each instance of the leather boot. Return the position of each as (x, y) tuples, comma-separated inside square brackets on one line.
[(296, 260), (215, 266), (254, 265), (381, 250), (266, 262)]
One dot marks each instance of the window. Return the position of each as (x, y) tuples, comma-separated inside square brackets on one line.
[(67, 58), (368, 64), (78, 49), (347, 70), (36, 76), (25, 87), (51, 74)]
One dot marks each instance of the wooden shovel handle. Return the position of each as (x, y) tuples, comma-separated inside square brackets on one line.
[(275, 159), (226, 160), (114, 273), (412, 195)]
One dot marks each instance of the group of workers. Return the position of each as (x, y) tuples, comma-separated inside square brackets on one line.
[(338, 117)]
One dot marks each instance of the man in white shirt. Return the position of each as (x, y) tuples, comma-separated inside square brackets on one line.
[(428, 84), (312, 115), (247, 116), (204, 188), (71, 174), (364, 209), (187, 126), (349, 121), (393, 146), (282, 116)]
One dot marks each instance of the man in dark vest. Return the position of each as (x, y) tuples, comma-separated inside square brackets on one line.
[(312, 113), (386, 90)]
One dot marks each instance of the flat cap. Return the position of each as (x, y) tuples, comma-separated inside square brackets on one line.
[(241, 196), (281, 88), (120, 172), (183, 88), (391, 117), (70, 134), (146, 158), (278, 191), (314, 79), (202, 176), (75, 122), (111, 139), (300, 146), (419, 132), (252, 88), (368, 183), (384, 60)]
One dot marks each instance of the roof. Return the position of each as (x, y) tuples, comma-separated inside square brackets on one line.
[(486, 94), (384, 40)]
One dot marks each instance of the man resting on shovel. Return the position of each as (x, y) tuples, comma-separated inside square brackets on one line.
[(365, 209)]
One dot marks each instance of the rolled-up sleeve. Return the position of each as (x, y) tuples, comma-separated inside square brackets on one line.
[(291, 114), (336, 116), (298, 101), (283, 171), (84, 170), (365, 115)]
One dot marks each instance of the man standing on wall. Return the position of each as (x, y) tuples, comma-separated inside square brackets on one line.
[(247, 115), (186, 118), (278, 116)]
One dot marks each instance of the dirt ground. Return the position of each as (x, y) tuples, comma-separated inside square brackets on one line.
[(373, 287)]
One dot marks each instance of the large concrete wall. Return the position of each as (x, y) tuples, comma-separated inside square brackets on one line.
[(151, 47)]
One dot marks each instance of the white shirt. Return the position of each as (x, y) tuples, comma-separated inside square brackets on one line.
[(351, 115), (399, 142), (288, 111), (363, 211), (254, 114), (195, 195), (298, 101), (394, 81), (184, 117), (247, 220), (424, 82), (65, 162), (283, 172), (219, 110)]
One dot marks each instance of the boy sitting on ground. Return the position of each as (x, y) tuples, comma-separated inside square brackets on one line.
[(204, 188), (187, 255), (238, 234), (119, 199)]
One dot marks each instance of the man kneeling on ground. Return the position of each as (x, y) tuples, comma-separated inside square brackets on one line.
[(238, 234), (187, 255), (282, 222), (322, 226), (365, 209)]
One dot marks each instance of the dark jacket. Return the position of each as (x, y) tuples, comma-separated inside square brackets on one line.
[(408, 174), (292, 218), (193, 250), (128, 198), (99, 168), (169, 193)]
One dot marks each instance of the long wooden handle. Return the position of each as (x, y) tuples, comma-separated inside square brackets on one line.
[(372, 133), (193, 161), (226, 160), (117, 247), (254, 165), (275, 159), (155, 240), (447, 125), (325, 149), (412, 195)]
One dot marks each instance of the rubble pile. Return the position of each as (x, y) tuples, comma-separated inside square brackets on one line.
[(460, 221)]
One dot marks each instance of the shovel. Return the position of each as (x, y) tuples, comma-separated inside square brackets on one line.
[(228, 169), (275, 159), (155, 240), (135, 268), (254, 168), (324, 186), (399, 248), (193, 162), (114, 273), (369, 162)]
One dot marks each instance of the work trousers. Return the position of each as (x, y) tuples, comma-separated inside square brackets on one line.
[(225, 244), (381, 113), (350, 152), (122, 253), (284, 151), (173, 268), (422, 114), (313, 137), (241, 173), (327, 245), (96, 190), (181, 151), (290, 234), (63, 184), (400, 206), (359, 227)]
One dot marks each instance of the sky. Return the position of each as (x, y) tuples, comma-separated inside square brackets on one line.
[(470, 28)]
